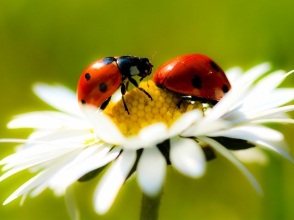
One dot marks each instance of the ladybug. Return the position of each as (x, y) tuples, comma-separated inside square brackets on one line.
[(103, 77), (195, 77)]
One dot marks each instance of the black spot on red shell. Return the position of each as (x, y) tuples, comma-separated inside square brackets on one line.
[(196, 82), (225, 88), (103, 87), (108, 60), (214, 66), (87, 76), (83, 102)]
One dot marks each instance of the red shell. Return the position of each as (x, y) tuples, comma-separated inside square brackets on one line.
[(194, 75), (99, 73)]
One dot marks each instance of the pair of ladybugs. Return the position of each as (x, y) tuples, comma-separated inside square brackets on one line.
[(193, 76)]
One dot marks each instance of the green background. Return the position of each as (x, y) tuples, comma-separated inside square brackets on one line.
[(53, 41)]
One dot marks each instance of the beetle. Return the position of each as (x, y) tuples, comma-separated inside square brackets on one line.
[(195, 77), (102, 78)]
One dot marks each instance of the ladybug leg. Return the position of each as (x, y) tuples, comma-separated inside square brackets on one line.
[(134, 82), (105, 103), (123, 92), (210, 102), (182, 99), (127, 85), (180, 102)]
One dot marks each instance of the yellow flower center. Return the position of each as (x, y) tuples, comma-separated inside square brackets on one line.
[(144, 111)]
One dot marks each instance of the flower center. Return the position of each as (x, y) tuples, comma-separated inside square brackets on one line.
[(144, 111)]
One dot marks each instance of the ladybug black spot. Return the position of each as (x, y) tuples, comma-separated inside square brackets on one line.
[(225, 88), (83, 102), (103, 87), (87, 76), (196, 82), (108, 60), (214, 66)]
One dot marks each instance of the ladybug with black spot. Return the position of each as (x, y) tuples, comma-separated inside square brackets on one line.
[(195, 77), (102, 78)]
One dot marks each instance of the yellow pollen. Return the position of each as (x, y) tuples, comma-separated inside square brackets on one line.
[(90, 141), (144, 111)]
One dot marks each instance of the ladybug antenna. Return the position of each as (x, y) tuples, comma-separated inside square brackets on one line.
[(153, 54)]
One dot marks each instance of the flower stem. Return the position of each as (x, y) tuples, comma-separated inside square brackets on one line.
[(150, 207)]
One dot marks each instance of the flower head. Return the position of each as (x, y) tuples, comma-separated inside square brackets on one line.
[(67, 146)]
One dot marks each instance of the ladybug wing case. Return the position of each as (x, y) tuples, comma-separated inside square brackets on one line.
[(98, 82), (194, 75)]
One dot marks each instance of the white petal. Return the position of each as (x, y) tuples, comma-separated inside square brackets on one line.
[(252, 74), (104, 127), (45, 149), (39, 178), (88, 152), (39, 189), (247, 131), (274, 120), (234, 74), (60, 134), (80, 159), (71, 203), (33, 182), (151, 171), (268, 101), (133, 143), (147, 137), (184, 122), (274, 148), (23, 198), (204, 127), (266, 114), (36, 134), (48, 120), (116, 96), (230, 100), (252, 155), (15, 140), (226, 153), (27, 164), (187, 157), (59, 97), (263, 87), (112, 180), (68, 176), (153, 134), (256, 139)]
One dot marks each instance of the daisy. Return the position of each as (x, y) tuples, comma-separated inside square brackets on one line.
[(67, 145)]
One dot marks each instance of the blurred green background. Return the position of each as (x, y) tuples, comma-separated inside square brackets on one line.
[(53, 41)]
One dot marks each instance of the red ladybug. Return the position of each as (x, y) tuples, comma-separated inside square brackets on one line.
[(195, 77), (102, 78)]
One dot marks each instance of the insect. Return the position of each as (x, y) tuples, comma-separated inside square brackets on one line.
[(103, 77), (195, 77)]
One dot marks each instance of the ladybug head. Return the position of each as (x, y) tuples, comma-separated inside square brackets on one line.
[(145, 67)]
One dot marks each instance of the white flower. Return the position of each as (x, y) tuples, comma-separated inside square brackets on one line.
[(66, 145)]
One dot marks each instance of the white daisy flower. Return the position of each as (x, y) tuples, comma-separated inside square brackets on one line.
[(67, 146)]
